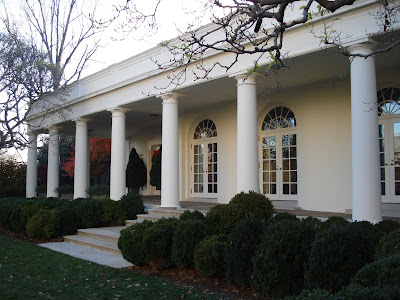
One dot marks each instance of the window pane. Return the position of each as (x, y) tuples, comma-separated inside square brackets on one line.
[(293, 176), (293, 189), (210, 177), (210, 188), (285, 140), (266, 189), (215, 177), (215, 157), (201, 147), (200, 188), (201, 159), (196, 168), (293, 141), (210, 147), (286, 189), (196, 159), (273, 153), (285, 177), (215, 167), (266, 165), (215, 147), (196, 188), (201, 168), (272, 141), (293, 164), (397, 188), (293, 152), (265, 154), (383, 191), (273, 189), (273, 176), (200, 178), (210, 167), (196, 178), (285, 152), (265, 177), (196, 149), (285, 164), (209, 157), (215, 188), (272, 165)]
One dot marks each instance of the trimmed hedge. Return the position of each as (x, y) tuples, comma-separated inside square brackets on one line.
[(223, 218), (187, 235), (45, 224), (132, 205), (337, 254), (131, 243), (209, 257), (241, 246), (191, 215), (157, 241), (279, 262), (382, 272), (389, 245), (15, 213)]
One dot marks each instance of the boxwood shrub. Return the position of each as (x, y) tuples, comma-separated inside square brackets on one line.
[(358, 292), (131, 243), (240, 248), (337, 254), (333, 221), (45, 224), (209, 256), (223, 218), (70, 221), (157, 241), (132, 205), (90, 212), (280, 259), (384, 227), (381, 272), (191, 215), (389, 244), (284, 216), (112, 213), (187, 235)]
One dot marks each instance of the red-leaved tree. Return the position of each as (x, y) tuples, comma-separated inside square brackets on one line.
[(100, 158)]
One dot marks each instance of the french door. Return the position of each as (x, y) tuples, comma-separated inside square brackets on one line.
[(279, 180), (205, 169), (389, 147)]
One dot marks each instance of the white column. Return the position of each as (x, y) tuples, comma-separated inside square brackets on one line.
[(31, 168), (81, 178), (53, 162), (247, 134), (170, 152), (118, 163), (366, 191)]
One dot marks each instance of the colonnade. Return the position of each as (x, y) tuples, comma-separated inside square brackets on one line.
[(365, 153)]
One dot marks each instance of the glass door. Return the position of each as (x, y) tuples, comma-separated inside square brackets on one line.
[(279, 166), (389, 147), (205, 170)]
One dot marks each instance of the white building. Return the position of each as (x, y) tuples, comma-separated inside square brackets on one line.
[(319, 144)]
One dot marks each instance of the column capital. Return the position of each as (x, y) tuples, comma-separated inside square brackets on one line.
[(170, 97), (118, 111), (245, 78), (54, 129), (363, 46), (81, 121)]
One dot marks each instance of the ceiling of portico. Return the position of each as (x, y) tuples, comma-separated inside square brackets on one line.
[(313, 69)]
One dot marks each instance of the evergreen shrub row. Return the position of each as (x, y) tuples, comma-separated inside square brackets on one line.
[(277, 255), (47, 218)]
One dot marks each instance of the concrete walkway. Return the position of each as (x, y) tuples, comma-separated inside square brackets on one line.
[(89, 254)]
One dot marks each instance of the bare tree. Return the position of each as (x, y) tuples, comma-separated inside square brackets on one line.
[(253, 27), (44, 51)]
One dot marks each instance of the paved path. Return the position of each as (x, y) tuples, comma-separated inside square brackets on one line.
[(89, 254)]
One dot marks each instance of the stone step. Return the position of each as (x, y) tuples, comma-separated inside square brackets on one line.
[(389, 210), (110, 247), (109, 234), (150, 217), (165, 212), (285, 204), (132, 222)]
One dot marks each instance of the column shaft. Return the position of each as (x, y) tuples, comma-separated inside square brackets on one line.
[(366, 193), (81, 179), (247, 135), (170, 153), (31, 168), (118, 162), (53, 162)]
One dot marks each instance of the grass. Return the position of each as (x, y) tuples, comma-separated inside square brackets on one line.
[(28, 271)]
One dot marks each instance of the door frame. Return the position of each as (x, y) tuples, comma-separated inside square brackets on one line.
[(388, 120), (279, 174), (205, 142)]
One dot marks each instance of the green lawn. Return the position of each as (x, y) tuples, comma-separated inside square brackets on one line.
[(28, 271)]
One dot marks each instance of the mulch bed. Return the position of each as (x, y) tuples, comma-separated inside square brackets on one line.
[(192, 280)]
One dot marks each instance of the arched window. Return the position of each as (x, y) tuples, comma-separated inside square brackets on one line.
[(279, 117), (388, 101), (205, 129)]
